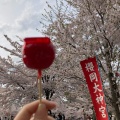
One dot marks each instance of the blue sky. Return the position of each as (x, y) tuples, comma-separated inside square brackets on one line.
[(20, 17)]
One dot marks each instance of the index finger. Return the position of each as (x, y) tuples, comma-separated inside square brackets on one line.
[(28, 110)]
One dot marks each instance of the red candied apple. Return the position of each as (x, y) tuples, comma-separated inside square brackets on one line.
[(38, 52)]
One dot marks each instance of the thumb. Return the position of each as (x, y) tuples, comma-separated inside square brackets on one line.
[(41, 113)]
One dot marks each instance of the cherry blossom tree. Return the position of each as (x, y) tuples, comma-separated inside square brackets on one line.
[(20, 85), (79, 29), (86, 28), (16, 80)]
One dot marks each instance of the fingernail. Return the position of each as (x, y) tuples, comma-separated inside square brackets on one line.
[(41, 106), (41, 112)]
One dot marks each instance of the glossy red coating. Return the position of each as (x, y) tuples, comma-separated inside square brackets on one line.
[(38, 52)]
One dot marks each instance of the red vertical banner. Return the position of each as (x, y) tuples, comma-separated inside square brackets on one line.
[(91, 73)]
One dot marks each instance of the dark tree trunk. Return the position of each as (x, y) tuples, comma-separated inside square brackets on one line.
[(115, 96)]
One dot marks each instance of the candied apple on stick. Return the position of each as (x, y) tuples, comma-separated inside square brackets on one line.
[(38, 53)]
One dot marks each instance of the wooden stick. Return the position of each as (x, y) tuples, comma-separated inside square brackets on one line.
[(39, 86), (40, 89)]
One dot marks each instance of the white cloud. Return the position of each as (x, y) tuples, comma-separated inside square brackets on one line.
[(21, 17), (28, 19)]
